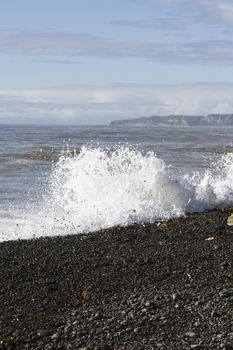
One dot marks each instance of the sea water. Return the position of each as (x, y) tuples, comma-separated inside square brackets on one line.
[(58, 180)]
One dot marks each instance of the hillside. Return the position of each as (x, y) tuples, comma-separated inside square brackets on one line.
[(179, 120)]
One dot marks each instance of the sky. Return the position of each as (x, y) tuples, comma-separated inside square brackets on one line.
[(94, 61)]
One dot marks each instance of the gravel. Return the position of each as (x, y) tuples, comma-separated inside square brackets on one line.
[(142, 287)]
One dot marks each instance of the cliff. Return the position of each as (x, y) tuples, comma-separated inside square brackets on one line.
[(179, 120)]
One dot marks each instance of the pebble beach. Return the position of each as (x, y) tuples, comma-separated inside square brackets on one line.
[(164, 285)]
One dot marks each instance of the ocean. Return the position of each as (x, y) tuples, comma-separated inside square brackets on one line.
[(58, 180)]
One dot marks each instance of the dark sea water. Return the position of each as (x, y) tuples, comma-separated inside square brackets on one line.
[(66, 179)]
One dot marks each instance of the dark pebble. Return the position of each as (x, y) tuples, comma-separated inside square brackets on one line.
[(136, 288)]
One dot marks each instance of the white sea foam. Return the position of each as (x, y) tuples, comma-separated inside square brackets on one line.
[(99, 188)]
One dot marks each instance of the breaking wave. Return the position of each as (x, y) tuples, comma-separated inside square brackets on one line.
[(98, 188)]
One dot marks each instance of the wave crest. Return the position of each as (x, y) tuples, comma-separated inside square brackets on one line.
[(96, 188), (99, 188)]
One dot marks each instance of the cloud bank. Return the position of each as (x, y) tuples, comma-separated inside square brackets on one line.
[(100, 105)]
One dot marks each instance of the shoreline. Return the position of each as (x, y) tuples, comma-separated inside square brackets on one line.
[(154, 286)]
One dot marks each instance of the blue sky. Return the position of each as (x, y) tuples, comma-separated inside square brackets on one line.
[(93, 61)]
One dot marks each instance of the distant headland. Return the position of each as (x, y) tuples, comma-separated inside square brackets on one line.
[(178, 120)]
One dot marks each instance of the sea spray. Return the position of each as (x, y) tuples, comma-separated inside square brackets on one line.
[(214, 187), (97, 188)]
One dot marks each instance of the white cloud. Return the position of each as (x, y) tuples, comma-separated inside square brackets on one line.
[(225, 10), (102, 104), (213, 13)]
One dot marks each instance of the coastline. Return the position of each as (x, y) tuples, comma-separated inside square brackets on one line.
[(166, 286)]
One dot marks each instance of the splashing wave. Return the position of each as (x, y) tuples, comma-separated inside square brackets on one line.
[(99, 188)]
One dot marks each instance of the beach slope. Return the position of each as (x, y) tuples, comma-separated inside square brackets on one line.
[(154, 286)]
